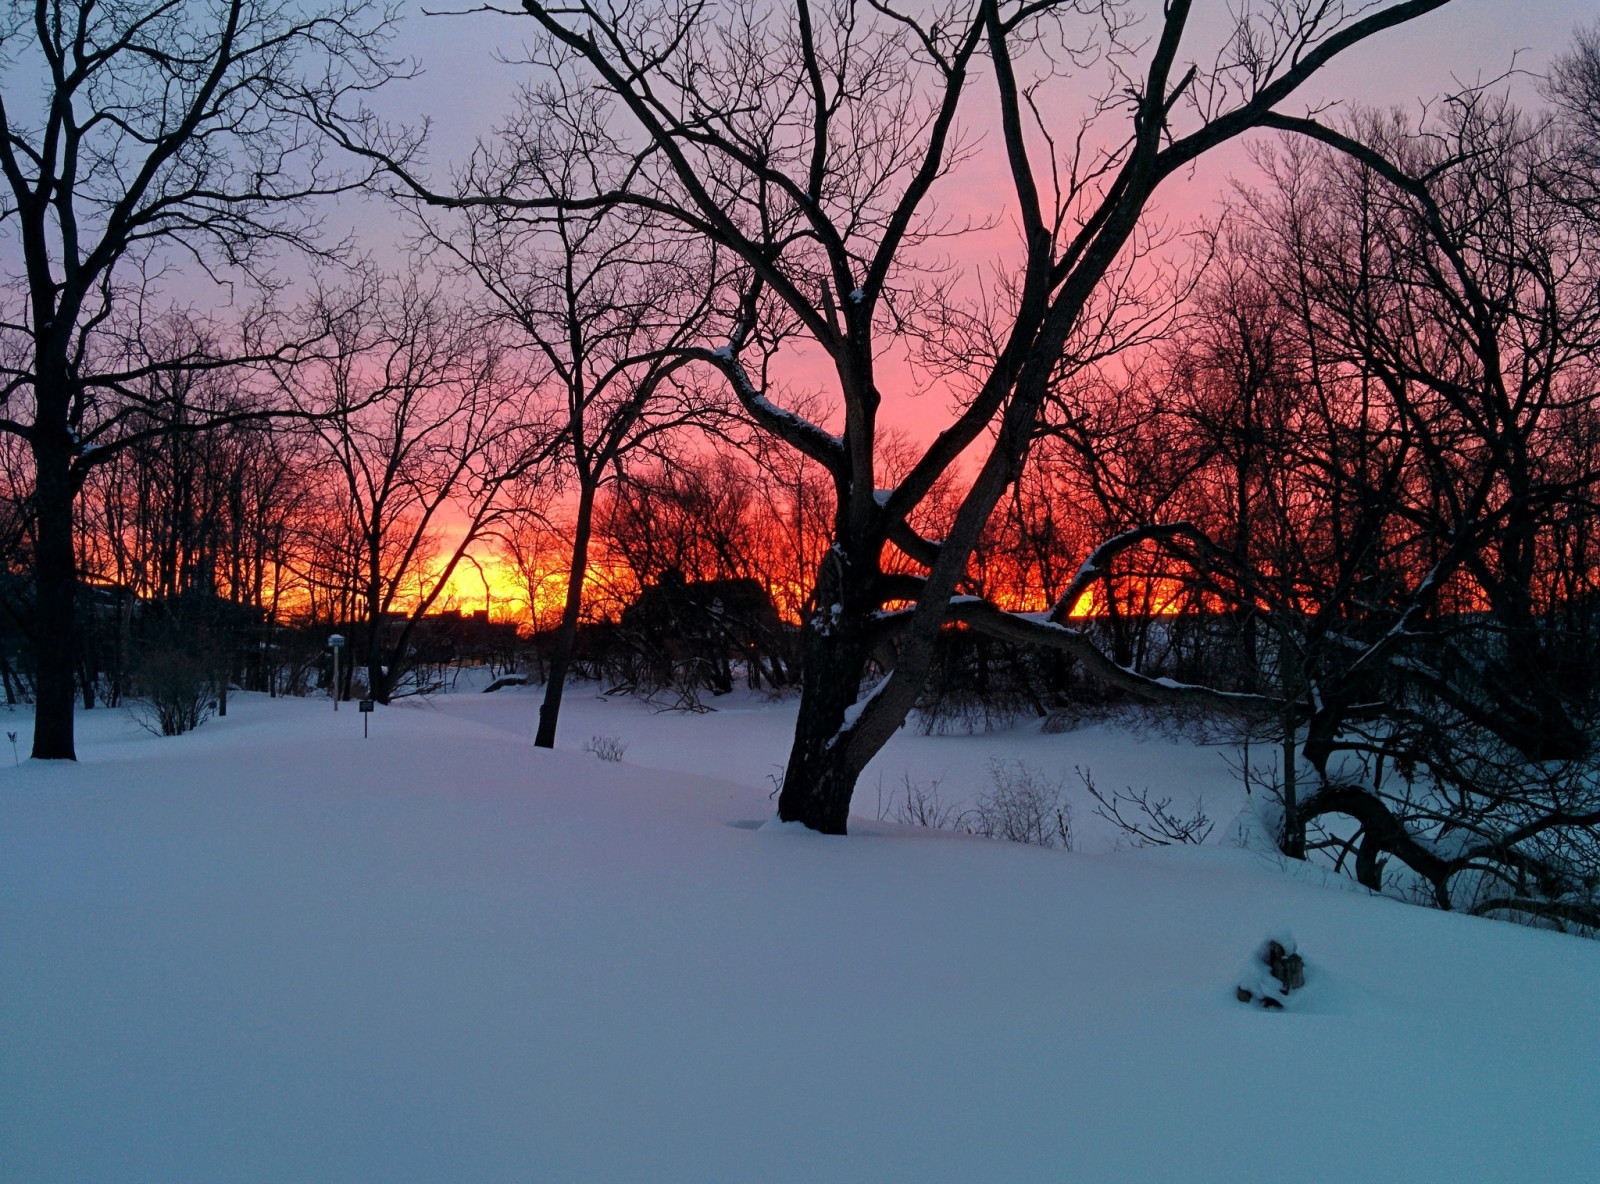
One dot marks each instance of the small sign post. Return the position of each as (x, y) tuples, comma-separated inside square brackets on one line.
[(336, 643), (366, 710)]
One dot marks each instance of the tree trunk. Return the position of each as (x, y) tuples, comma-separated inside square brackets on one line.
[(823, 765), (1294, 827), (86, 676), (1293, 682), (379, 683), (378, 686), (567, 632), (5, 678), (820, 777), (55, 585)]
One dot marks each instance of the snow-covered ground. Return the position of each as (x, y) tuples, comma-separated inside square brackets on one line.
[(272, 951)]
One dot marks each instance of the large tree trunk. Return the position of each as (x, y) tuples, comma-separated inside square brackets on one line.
[(567, 632), (836, 645), (820, 777), (55, 586), (830, 750)]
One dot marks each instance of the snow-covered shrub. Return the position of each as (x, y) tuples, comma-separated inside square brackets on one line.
[(607, 748)]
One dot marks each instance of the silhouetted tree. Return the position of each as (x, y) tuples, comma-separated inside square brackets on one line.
[(806, 145), (135, 137), (603, 300), (421, 418)]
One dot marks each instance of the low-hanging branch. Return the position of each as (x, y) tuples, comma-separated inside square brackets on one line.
[(1036, 629)]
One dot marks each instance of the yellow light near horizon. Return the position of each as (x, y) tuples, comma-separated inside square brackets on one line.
[(487, 582), (490, 584)]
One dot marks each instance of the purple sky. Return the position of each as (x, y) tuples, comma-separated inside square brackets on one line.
[(465, 90)]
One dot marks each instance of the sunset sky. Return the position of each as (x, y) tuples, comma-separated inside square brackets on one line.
[(464, 91)]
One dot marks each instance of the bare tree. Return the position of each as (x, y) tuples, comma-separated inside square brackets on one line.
[(531, 542), (423, 420), (704, 561), (843, 122), (606, 300), (808, 145), (196, 520), (1450, 278), (153, 133), (1573, 86), (1389, 398)]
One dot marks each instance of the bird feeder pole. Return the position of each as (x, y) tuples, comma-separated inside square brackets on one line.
[(336, 643)]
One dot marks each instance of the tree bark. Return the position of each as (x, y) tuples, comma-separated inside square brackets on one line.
[(567, 632), (378, 680)]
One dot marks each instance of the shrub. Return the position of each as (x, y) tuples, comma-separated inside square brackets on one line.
[(920, 806), (175, 692), (607, 748), (1022, 805)]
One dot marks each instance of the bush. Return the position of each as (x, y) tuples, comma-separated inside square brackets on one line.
[(1022, 805), (175, 694), (607, 748), (920, 806)]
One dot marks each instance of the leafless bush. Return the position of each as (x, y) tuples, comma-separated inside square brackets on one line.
[(607, 748), (1073, 717), (962, 712), (920, 805), (175, 692), (1022, 806), (1149, 822), (1192, 723)]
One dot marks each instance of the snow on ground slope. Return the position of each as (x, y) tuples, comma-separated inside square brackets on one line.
[(271, 951), (746, 738)]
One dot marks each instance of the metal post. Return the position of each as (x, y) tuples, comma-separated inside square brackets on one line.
[(336, 642)]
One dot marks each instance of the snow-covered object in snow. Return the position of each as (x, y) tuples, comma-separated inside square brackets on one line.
[(1275, 970)]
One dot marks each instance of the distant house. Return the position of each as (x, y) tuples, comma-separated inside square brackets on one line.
[(701, 628), (700, 608), (451, 635)]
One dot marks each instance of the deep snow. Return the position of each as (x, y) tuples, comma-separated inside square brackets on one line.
[(270, 951)]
